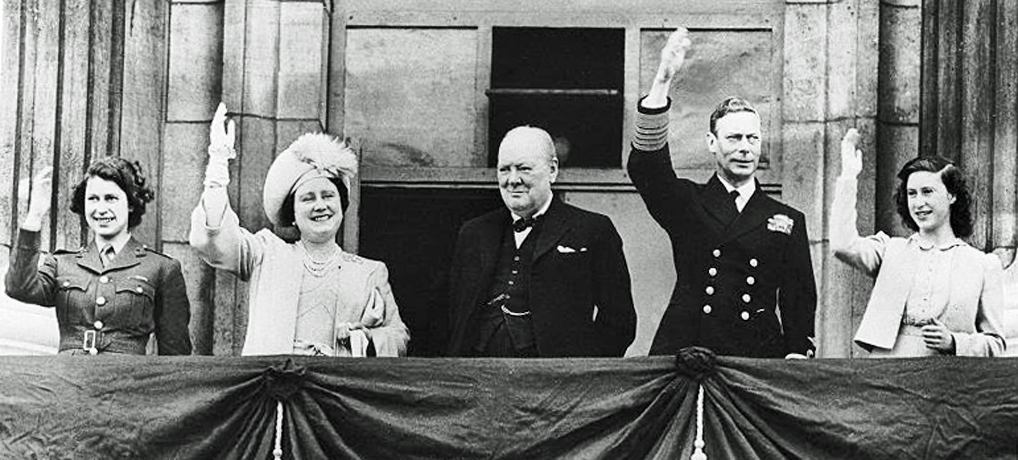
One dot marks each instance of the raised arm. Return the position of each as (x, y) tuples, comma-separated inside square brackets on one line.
[(672, 56), (25, 281), (215, 228), (865, 254), (650, 166), (222, 138)]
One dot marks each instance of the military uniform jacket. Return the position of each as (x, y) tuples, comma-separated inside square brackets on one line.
[(141, 292), (745, 283), (578, 265)]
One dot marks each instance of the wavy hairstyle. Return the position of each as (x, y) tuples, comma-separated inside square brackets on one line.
[(128, 175), (954, 181)]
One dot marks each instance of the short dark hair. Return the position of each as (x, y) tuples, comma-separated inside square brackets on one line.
[(128, 175), (954, 181), (286, 210), (727, 106)]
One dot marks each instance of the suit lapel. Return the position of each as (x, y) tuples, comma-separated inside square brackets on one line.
[(555, 224), (757, 211), (715, 202)]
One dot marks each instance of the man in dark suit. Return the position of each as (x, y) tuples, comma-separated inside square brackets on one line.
[(541, 278), (745, 280)]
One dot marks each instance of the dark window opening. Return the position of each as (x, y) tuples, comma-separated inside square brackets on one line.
[(568, 81)]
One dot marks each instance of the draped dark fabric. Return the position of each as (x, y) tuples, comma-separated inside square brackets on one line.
[(128, 407)]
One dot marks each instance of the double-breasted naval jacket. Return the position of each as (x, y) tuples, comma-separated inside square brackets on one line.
[(745, 282), (112, 309)]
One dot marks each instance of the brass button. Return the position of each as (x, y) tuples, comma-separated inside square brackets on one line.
[(712, 272), (67, 283), (97, 325), (706, 309), (746, 298), (511, 282), (140, 290), (717, 253), (100, 301), (744, 316), (710, 290), (750, 280), (753, 262), (104, 279)]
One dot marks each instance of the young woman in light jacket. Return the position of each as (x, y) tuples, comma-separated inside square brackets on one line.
[(934, 294)]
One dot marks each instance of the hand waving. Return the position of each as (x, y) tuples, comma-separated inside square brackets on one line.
[(40, 199), (673, 54), (851, 156), (222, 135)]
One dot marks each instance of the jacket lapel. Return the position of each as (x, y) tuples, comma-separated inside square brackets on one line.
[(757, 211), (88, 258), (715, 202), (555, 224), (129, 256)]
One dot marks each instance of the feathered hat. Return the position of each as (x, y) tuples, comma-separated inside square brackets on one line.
[(311, 156)]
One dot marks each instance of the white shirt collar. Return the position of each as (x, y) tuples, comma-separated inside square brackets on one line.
[(745, 190)]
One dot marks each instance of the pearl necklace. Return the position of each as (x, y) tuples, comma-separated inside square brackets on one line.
[(319, 268)]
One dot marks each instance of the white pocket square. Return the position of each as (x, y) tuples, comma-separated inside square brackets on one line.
[(568, 250)]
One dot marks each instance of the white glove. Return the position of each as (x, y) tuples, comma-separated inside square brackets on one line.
[(851, 157), (221, 140)]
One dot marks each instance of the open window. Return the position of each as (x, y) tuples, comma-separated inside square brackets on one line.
[(568, 81)]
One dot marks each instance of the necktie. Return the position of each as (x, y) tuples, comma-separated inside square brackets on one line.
[(735, 197), (106, 255), (525, 223)]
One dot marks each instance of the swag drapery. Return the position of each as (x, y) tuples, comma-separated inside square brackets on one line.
[(129, 407)]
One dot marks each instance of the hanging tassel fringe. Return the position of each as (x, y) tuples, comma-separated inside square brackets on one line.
[(277, 452), (698, 444)]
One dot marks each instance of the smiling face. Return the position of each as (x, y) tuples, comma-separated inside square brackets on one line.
[(736, 146), (526, 169), (929, 202), (317, 210), (106, 208)]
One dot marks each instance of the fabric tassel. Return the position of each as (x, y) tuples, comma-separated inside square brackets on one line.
[(698, 444), (277, 452)]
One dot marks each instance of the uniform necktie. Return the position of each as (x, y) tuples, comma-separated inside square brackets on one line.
[(735, 198), (106, 255)]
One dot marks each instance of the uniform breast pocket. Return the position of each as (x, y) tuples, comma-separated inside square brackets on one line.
[(135, 298), (72, 295)]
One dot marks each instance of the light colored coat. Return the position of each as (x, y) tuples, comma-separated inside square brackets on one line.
[(976, 298), (272, 268)]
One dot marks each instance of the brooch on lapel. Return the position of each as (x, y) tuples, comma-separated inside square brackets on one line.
[(780, 223)]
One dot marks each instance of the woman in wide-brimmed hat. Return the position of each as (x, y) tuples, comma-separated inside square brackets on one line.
[(308, 297)]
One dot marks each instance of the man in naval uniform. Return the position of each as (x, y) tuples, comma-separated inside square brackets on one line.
[(745, 282), (541, 278)]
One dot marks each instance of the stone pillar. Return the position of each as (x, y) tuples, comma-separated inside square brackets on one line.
[(830, 58), (898, 111)]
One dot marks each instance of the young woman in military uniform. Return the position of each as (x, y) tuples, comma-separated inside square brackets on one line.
[(113, 293)]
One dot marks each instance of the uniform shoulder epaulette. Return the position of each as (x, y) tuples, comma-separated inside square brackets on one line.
[(146, 248), (59, 252)]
